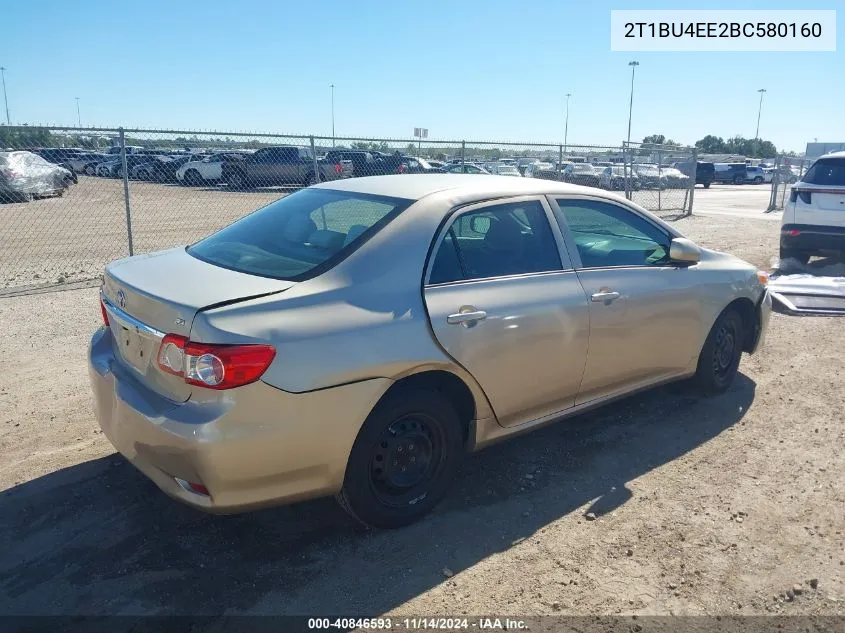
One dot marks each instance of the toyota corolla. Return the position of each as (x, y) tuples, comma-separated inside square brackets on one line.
[(358, 338)]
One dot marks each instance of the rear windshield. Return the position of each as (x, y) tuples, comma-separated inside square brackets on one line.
[(827, 171), (299, 236)]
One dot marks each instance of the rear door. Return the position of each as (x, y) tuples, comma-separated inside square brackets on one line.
[(506, 304), (820, 196), (644, 309)]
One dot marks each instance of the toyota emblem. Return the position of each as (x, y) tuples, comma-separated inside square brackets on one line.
[(121, 298)]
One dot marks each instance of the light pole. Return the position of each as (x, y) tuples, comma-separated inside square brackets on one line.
[(5, 98), (566, 126), (633, 66), (332, 87), (762, 91), (78, 117)]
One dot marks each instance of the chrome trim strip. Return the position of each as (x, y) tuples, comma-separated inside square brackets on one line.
[(129, 321)]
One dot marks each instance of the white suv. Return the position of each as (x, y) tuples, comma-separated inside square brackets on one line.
[(814, 218)]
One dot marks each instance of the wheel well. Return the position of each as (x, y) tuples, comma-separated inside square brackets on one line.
[(447, 384), (748, 314)]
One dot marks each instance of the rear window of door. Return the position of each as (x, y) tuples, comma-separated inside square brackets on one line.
[(607, 235), (826, 171), (496, 241)]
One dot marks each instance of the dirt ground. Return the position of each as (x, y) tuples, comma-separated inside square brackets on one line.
[(702, 506)]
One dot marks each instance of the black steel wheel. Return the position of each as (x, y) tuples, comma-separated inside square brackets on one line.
[(403, 460), (718, 362)]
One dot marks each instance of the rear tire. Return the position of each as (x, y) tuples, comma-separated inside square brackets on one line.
[(738, 180), (403, 460), (193, 178), (707, 185), (236, 180), (801, 257), (144, 175), (758, 180), (718, 362)]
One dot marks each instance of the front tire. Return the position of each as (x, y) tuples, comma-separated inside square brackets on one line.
[(718, 362), (758, 180), (403, 460)]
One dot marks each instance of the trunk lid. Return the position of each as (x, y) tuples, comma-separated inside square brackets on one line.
[(149, 296), (819, 205)]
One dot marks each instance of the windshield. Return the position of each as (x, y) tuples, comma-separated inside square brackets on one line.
[(300, 235), (507, 169), (582, 168), (826, 171)]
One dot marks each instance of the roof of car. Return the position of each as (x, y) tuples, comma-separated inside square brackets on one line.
[(417, 186)]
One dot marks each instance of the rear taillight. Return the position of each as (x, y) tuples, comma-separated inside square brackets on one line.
[(805, 196), (213, 366), (402, 169), (338, 169), (792, 232), (793, 195), (104, 312)]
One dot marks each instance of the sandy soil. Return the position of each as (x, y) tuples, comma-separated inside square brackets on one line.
[(716, 506)]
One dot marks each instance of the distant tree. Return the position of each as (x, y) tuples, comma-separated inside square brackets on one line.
[(654, 139), (711, 145)]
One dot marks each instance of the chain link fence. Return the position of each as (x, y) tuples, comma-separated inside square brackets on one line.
[(785, 171), (73, 199)]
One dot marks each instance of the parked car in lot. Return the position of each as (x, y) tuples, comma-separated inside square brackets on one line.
[(675, 179), (650, 176), (114, 150), (79, 162), (613, 178), (583, 174), (734, 173), (503, 169), (414, 165), (206, 170), (540, 170), (164, 168), (359, 337), (355, 162), (114, 168), (813, 221), (704, 172), (465, 168), (25, 176), (284, 165), (756, 175)]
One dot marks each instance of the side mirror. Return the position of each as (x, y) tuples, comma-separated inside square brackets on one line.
[(684, 250)]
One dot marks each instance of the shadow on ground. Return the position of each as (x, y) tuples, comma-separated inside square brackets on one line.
[(98, 538)]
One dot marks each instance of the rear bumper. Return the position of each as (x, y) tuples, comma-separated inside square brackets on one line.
[(250, 447), (811, 237)]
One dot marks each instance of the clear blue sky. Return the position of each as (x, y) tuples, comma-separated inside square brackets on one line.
[(475, 69)]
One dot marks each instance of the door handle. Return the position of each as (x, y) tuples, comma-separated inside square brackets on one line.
[(466, 318), (604, 296)]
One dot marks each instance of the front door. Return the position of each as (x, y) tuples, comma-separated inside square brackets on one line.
[(505, 303), (644, 310)]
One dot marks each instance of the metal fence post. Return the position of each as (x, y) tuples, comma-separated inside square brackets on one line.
[(659, 175), (463, 153), (317, 175), (625, 149), (694, 169), (559, 160), (773, 195), (126, 191)]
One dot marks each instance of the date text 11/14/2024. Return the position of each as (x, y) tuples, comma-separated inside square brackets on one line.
[(418, 624)]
